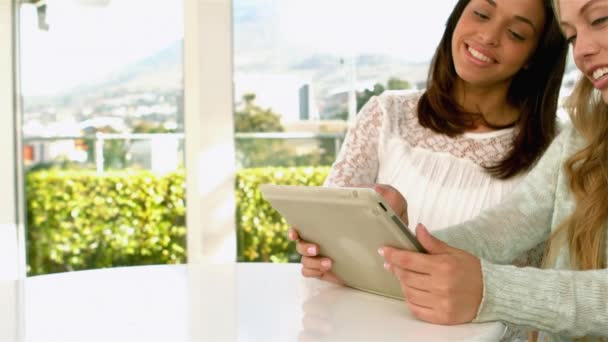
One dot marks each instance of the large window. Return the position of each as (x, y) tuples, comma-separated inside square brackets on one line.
[(102, 87), (302, 70)]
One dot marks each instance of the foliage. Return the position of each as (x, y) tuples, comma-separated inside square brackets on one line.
[(151, 127), (251, 153), (114, 151), (80, 219), (395, 83), (261, 231), (249, 117)]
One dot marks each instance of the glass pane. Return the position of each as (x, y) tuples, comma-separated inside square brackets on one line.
[(302, 71), (103, 134)]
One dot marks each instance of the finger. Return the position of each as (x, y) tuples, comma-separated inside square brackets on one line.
[(407, 260), (306, 248), (414, 280), (432, 244), (292, 234), (395, 199), (331, 277), (322, 264), (311, 272), (419, 297), (423, 313)]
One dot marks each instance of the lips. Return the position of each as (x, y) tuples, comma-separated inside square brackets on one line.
[(480, 55), (598, 75)]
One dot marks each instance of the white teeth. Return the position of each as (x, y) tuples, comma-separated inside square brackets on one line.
[(599, 73), (479, 55)]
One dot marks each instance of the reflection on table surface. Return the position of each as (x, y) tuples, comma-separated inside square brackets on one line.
[(244, 302)]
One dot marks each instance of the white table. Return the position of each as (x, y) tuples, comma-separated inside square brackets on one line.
[(244, 302)]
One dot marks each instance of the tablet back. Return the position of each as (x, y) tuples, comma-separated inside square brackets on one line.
[(349, 225)]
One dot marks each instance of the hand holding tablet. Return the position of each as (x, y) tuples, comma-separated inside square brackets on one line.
[(348, 225)]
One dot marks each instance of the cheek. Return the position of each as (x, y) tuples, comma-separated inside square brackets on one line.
[(519, 55), (577, 60)]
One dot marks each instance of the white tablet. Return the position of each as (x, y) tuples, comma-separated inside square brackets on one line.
[(349, 225)]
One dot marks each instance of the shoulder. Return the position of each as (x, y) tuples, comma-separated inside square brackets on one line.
[(398, 104), (400, 98), (569, 136), (568, 141)]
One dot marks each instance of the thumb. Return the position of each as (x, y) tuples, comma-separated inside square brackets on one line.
[(429, 242)]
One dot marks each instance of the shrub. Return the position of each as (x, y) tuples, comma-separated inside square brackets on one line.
[(80, 219), (261, 231)]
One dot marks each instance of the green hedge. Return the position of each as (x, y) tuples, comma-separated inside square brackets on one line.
[(261, 230), (82, 220)]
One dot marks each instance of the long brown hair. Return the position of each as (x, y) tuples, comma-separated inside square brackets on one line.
[(534, 91)]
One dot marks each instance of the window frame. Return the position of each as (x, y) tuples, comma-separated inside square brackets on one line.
[(209, 131), (11, 178)]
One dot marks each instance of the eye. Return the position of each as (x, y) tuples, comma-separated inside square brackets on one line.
[(599, 21), (516, 35), (571, 39), (481, 15)]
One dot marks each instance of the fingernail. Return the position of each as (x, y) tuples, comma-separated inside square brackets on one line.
[(381, 251), (290, 234), (326, 263), (420, 226), (312, 250), (387, 266)]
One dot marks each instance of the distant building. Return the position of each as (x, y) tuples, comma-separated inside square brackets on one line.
[(304, 102)]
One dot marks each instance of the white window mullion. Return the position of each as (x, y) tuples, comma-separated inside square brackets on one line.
[(12, 261), (209, 131), (12, 246)]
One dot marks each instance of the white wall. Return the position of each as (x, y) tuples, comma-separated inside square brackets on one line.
[(209, 131)]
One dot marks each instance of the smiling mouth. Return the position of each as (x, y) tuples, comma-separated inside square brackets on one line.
[(479, 56), (600, 73)]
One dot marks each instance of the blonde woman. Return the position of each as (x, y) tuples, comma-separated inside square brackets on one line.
[(562, 200)]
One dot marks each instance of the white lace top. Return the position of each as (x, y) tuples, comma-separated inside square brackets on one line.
[(442, 178)]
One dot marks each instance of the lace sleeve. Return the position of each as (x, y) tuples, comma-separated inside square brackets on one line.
[(357, 162)]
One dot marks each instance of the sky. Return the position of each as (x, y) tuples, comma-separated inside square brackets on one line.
[(87, 43), (407, 28)]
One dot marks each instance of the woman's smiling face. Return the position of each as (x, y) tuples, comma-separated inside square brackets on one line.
[(494, 39), (585, 24)]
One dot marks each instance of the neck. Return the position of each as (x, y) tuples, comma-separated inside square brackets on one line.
[(490, 102)]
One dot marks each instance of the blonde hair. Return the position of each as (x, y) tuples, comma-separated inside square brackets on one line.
[(585, 229)]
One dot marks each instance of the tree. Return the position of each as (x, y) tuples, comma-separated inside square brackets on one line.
[(253, 118), (363, 97), (395, 83), (252, 152)]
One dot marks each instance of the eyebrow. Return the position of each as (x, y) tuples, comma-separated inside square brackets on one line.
[(517, 17), (581, 11), (586, 6)]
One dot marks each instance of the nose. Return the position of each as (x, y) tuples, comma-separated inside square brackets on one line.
[(490, 34), (585, 46)]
